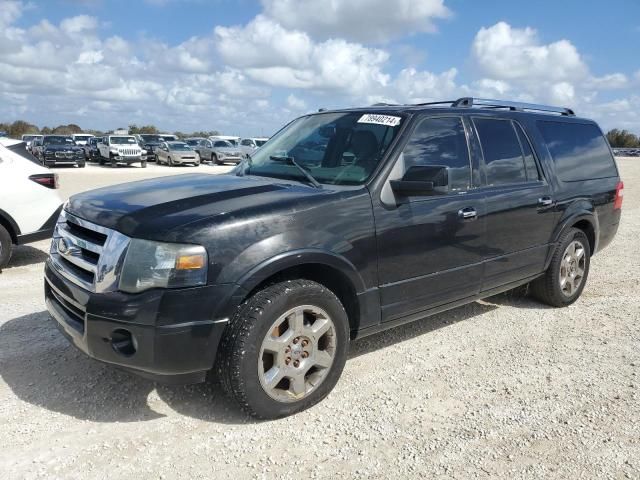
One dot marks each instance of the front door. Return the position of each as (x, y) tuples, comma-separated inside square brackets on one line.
[(430, 248)]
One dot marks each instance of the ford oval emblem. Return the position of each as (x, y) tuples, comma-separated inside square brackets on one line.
[(63, 247)]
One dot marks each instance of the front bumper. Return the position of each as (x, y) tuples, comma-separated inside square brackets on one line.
[(165, 335)]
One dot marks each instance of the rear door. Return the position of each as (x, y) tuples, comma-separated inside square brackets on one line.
[(521, 211), (430, 248)]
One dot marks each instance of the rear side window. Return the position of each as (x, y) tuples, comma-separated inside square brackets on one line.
[(502, 153), (579, 150)]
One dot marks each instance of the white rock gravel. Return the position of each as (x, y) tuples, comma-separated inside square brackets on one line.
[(501, 388)]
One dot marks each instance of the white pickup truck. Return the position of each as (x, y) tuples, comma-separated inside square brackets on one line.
[(121, 149)]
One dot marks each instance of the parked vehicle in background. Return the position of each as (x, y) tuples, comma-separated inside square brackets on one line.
[(91, 151), (29, 201), (151, 141), (194, 142), (27, 139), (176, 153), (235, 141), (266, 274), (219, 152), (121, 150), (58, 150), (249, 145), (81, 138)]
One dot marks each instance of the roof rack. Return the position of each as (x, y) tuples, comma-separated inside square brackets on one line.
[(514, 106)]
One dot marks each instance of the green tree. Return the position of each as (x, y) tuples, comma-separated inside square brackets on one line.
[(19, 128), (622, 139)]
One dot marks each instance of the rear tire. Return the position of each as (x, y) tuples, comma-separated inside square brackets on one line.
[(6, 247), (82, 164), (273, 340), (143, 164), (565, 279)]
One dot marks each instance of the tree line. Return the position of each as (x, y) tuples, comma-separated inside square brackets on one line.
[(623, 139), (20, 127)]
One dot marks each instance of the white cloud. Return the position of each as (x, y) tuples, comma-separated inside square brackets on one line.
[(417, 87), (296, 103), (359, 20), (263, 43), (506, 53)]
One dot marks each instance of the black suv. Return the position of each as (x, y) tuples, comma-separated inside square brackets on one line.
[(344, 224), (55, 150)]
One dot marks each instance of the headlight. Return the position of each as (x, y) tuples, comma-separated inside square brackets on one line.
[(113, 150), (143, 152), (151, 264)]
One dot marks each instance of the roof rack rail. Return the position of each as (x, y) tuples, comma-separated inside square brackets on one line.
[(515, 106), (384, 104)]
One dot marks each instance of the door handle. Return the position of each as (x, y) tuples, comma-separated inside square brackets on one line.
[(468, 213), (545, 201)]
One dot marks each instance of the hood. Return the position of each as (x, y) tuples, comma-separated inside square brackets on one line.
[(152, 208), (229, 150)]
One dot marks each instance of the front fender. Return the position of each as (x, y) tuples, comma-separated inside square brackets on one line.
[(288, 249)]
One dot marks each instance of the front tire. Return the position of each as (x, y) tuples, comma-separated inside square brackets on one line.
[(565, 279), (143, 164), (284, 349), (6, 247)]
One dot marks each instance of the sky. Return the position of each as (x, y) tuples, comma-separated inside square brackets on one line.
[(247, 67)]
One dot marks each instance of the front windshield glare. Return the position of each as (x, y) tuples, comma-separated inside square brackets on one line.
[(179, 147), (123, 140), (335, 148)]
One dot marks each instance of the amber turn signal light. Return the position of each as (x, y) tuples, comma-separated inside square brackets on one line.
[(190, 262)]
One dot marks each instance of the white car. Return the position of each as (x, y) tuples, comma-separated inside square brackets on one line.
[(81, 138), (250, 145), (29, 200)]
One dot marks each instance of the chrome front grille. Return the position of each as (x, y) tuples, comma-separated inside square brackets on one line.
[(87, 254), (129, 152)]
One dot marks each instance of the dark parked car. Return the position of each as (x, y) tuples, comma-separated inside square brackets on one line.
[(56, 150), (266, 274), (91, 151)]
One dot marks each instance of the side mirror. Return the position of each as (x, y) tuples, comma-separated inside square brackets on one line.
[(422, 181)]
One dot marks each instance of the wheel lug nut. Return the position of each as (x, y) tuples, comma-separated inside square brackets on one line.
[(296, 340), (305, 354), (296, 363), (287, 350), (305, 343), (287, 360)]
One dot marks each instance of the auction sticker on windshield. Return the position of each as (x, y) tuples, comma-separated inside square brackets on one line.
[(388, 120)]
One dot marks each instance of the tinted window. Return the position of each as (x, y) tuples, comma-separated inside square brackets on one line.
[(579, 150), (441, 142), (222, 144), (246, 143), (529, 160), (501, 149)]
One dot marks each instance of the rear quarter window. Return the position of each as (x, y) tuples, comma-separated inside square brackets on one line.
[(579, 150)]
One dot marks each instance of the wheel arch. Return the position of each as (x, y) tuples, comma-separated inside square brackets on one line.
[(330, 270), (10, 225), (583, 219)]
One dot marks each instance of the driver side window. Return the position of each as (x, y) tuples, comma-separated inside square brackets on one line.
[(441, 142)]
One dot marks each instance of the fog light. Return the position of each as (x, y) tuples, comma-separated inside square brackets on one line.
[(122, 342)]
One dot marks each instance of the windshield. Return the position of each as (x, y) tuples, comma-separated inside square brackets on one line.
[(180, 147), (28, 138), (259, 143), (58, 140), (82, 137), (335, 148), (193, 141), (222, 144), (123, 141), (152, 138), (169, 138)]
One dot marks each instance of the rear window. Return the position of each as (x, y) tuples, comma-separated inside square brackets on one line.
[(579, 150)]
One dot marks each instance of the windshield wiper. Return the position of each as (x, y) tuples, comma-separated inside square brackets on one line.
[(291, 161)]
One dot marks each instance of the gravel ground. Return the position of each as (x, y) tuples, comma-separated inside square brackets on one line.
[(500, 388)]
